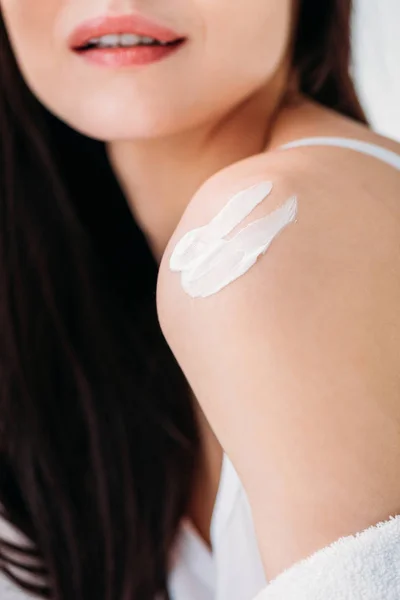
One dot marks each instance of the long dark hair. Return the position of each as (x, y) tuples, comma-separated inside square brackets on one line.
[(98, 438)]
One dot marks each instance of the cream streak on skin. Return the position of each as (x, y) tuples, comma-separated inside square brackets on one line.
[(208, 262)]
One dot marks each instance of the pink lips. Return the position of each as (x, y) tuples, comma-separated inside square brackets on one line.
[(124, 56)]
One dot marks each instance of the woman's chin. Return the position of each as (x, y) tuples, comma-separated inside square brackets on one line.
[(121, 126)]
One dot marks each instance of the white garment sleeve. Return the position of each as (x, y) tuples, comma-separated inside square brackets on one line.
[(364, 566)]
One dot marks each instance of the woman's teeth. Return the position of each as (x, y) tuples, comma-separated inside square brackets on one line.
[(124, 40)]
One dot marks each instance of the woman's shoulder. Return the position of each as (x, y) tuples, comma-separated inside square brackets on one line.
[(343, 208), (346, 184), (322, 157)]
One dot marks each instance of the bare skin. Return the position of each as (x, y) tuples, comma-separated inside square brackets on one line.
[(306, 398), (180, 136), (303, 120)]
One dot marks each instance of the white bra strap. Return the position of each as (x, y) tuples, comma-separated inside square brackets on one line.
[(387, 156)]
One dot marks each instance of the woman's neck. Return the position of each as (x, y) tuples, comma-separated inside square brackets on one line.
[(160, 175)]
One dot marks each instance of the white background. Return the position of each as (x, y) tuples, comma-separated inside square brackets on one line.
[(377, 62)]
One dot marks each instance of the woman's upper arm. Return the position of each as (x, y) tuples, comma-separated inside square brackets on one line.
[(297, 366)]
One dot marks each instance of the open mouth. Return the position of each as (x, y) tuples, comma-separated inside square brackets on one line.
[(125, 40)]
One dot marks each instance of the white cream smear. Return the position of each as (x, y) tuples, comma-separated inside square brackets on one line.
[(208, 262)]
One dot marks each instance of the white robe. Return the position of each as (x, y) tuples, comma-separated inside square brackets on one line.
[(364, 566)]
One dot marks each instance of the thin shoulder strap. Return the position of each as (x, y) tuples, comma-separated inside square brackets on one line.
[(387, 156)]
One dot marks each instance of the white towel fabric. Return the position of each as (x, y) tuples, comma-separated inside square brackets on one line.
[(364, 566)]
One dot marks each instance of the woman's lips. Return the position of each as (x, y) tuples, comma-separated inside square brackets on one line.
[(129, 56), (133, 23), (79, 40)]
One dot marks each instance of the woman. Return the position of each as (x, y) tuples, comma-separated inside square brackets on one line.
[(113, 337)]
